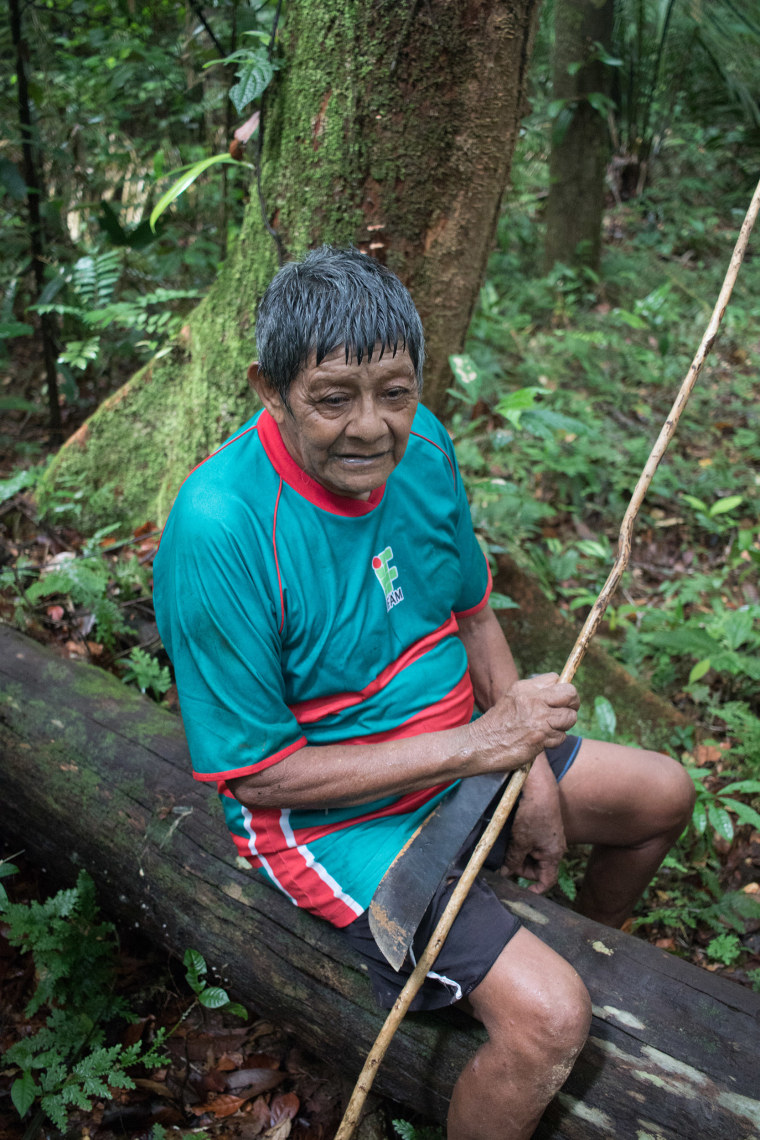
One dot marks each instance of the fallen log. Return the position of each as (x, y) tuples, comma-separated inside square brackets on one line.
[(95, 776)]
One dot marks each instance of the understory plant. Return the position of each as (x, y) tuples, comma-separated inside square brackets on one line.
[(68, 1062), (89, 592)]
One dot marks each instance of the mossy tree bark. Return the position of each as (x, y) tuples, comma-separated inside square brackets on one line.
[(580, 146), (391, 125)]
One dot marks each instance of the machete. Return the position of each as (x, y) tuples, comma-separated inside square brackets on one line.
[(405, 891)]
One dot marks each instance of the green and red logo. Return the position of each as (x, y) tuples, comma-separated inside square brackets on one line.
[(386, 576)]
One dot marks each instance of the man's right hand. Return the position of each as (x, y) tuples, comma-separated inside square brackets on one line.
[(533, 715)]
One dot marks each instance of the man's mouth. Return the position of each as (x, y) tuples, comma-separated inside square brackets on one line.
[(354, 460)]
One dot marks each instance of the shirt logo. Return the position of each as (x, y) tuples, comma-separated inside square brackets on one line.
[(386, 576)]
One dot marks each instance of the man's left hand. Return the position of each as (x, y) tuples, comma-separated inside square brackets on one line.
[(537, 842)]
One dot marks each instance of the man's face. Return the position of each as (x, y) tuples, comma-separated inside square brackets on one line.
[(348, 424)]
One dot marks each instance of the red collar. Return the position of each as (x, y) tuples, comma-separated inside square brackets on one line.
[(295, 476)]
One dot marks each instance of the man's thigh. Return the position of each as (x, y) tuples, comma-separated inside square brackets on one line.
[(620, 796)]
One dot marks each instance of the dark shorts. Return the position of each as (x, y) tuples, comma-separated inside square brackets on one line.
[(478, 935)]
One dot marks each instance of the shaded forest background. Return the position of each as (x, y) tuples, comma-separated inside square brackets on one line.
[(580, 337)]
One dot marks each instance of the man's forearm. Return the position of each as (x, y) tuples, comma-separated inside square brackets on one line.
[(339, 775), (522, 718), (492, 667)]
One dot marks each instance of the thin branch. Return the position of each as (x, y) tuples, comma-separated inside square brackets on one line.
[(209, 32), (518, 778)]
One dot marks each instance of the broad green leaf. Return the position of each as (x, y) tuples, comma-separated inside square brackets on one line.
[(633, 320), (12, 486), (697, 504), (187, 179), (743, 787), (464, 368), (723, 506), (10, 329), (699, 670), (253, 79), (605, 716), (699, 818), (24, 1092), (743, 812), (514, 404), (17, 404), (11, 180), (502, 601), (721, 821), (600, 102), (235, 1008), (195, 965), (213, 997)]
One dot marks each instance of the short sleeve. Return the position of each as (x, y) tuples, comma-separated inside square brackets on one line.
[(218, 611), (476, 579)]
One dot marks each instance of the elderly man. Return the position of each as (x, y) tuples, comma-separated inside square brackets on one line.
[(324, 600)]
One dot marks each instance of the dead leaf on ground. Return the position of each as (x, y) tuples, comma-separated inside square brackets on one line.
[(229, 1061), (220, 1106), (261, 1061), (254, 1081), (284, 1107), (280, 1131)]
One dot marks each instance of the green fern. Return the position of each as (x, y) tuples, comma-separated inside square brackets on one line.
[(65, 1063)]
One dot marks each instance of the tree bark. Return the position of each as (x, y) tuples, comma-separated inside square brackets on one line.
[(390, 125), (95, 776), (580, 142)]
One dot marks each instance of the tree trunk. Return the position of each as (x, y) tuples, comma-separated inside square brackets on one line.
[(95, 776), (391, 125), (580, 143), (35, 194)]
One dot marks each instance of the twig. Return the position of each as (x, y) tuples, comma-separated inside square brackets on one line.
[(518, 778)]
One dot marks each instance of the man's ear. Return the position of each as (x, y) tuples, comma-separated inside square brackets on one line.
[(269, 396)]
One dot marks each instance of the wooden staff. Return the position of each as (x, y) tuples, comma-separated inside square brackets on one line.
[(518, 778)]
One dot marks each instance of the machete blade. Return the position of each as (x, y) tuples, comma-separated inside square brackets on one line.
[(405, 891)]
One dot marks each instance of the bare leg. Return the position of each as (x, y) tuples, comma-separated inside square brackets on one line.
[(632, 805), (537, 1013)]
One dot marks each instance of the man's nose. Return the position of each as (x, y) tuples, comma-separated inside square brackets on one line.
[(367, 422)]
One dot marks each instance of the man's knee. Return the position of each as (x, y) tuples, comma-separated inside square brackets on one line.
[(560, 1018), (675, 796), (538, 1016)]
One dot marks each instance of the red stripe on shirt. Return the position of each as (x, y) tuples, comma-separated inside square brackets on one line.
[(451, 711), (276, 559), (248, 769), (295, 476), (442, 450), (291, 869), (483, 601), (307, 712)]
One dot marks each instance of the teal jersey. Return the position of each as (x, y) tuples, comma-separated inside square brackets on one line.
[(295, 616)]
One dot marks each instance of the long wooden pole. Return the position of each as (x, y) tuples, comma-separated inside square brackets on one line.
[(518, 778)]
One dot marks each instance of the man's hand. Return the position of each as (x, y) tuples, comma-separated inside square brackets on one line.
[(537, 842), (533, 715)]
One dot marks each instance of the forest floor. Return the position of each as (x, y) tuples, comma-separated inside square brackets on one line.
[(225, 1078)]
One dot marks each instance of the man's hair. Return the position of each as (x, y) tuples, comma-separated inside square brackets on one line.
[(330, 299)]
